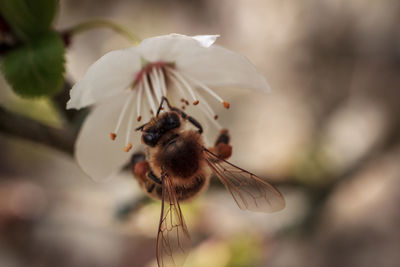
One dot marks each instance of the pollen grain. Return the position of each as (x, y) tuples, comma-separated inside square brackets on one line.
[(128, 147), (226, 104)]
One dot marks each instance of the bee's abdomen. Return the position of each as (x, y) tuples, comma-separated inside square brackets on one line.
[(188, 190), (181, 158), (191, 189)]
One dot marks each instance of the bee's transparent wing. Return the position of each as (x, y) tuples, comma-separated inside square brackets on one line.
[(173, 240), (249, 191)]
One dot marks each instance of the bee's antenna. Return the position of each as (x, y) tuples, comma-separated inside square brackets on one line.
[(140, 128), (161, 105)]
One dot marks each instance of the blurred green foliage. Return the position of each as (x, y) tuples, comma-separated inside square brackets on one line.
[(39, 109), (245, 251), (314, 167), (34, 66), (29, 19)]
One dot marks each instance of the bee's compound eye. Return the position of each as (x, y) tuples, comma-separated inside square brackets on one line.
[(150, 139), (172, 121)]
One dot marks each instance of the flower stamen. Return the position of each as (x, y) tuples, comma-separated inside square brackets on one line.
[(183, 100), (128, 145), (179, 81), (182, 92), (209, 91), (149, 95), (113, 135), (209, 112), (162, 79), (139, 101), (178, 77), (155, 81)]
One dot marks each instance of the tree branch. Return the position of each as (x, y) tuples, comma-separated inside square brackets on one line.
[(19, 126)]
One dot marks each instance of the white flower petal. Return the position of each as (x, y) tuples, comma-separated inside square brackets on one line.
[(108, 76), (219, 67), (170, 47), (206, 40), (96, 153)]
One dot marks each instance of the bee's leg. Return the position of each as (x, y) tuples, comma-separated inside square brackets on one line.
[(142, 171), (153, 177), (223, 137), (150, 187), (139, 165), (137, 157), (221, 147)]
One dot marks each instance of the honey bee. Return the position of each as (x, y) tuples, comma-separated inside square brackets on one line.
[(177, 167)]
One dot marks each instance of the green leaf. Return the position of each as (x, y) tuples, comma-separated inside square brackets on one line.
[(29, 18), (36, 68)]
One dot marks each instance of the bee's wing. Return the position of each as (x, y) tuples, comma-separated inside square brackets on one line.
[(249, 191), (173, 240)]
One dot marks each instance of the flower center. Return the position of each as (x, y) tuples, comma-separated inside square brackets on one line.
[(153, 80), (148, 69)]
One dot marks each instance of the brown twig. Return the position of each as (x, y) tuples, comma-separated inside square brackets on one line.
[(22, 127)]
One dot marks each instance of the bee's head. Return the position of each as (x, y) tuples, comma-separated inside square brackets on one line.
[(161, 125)]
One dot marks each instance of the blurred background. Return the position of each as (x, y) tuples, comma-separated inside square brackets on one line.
[(328, 135)]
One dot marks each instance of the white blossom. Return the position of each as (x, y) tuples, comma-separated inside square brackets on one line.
[(127, 85)]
